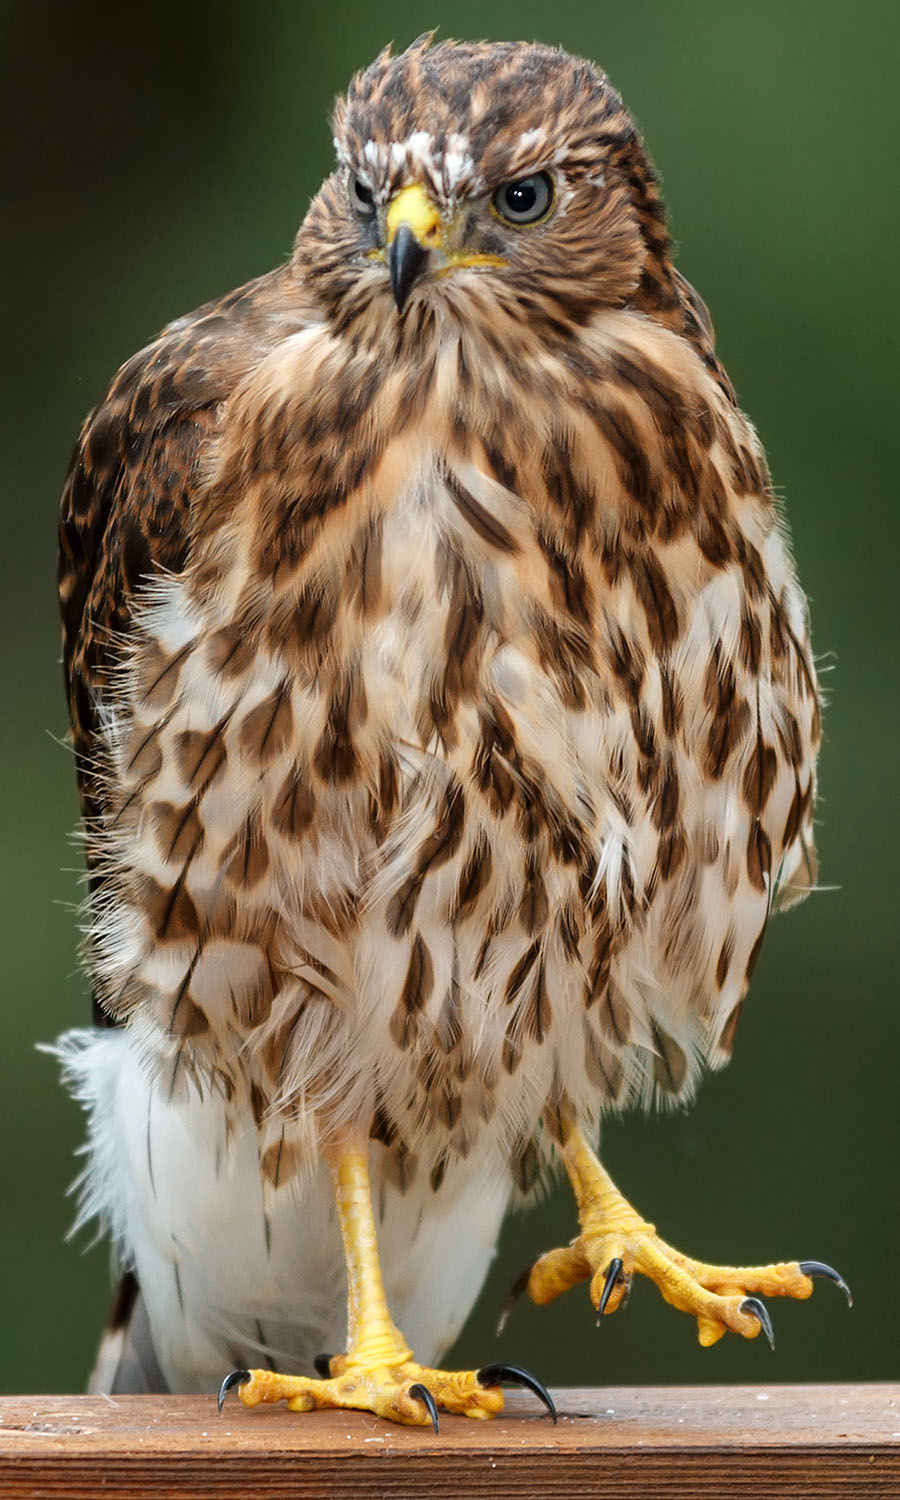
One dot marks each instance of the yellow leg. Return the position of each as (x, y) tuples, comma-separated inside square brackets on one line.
[(615, 1242), (378, 1372)]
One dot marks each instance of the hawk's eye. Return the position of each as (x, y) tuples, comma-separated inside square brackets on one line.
[(362, 200), (525, 200)]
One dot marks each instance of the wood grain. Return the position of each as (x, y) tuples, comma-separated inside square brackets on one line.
[(672, 1443)]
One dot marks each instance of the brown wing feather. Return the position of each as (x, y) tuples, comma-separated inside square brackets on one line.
[(127, 503)]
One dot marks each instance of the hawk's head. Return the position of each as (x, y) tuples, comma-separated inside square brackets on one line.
[(504, 177)]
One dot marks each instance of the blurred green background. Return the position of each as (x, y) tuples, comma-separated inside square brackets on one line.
[(159, 155)]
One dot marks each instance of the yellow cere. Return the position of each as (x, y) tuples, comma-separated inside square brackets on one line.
[(412, 206)]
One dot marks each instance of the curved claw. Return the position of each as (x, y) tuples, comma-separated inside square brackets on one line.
[(423, 1394), (237, 1377), (513, 1295), (613, 1272), (322, 1365), (819, 1268), (759, 1311), (515, 1375)]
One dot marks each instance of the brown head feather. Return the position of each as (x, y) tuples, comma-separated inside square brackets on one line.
[(464, 118)]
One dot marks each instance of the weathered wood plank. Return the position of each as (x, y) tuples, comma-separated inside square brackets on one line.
[(674, 1443)]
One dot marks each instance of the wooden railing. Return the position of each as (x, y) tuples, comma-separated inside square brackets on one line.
[(636, 1443)]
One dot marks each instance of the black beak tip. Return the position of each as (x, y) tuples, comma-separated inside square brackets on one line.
[(407, 260)]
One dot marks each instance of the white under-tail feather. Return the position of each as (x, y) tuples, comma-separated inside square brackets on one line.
[(232, 1273)]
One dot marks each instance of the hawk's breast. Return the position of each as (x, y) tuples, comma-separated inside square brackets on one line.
[(416, 813)]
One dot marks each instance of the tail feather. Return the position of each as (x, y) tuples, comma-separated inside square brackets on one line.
[(126, 1361)]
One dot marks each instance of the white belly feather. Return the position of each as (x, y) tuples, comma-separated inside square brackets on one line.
[(232, 1274)]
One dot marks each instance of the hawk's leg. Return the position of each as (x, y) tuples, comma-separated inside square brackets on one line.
[(378, 1372), (615, 1242)]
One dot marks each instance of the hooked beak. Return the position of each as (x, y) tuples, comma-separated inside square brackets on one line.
[(408, 261), (413, 230), (416, 244)]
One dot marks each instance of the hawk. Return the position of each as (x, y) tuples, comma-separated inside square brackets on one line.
[(445, 725)]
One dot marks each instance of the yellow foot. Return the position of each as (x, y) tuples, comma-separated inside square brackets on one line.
[(378, 1373), (615, 1242), (403, 1392)]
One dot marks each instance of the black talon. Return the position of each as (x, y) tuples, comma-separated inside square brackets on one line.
[(497, 1374), (322, 1365), (819, 1268), (237, 1377), (423, 1394), (514, 1294), (761, 1313), (613, 1273)]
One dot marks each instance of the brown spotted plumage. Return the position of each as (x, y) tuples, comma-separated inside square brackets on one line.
[(444, 712)]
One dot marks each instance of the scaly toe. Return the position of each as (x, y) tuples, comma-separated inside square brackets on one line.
[(722, 1298), (406, 1392), (616, 1243)]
